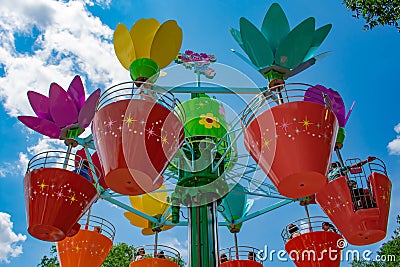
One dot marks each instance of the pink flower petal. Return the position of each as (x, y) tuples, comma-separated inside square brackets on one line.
[(77, 92), (87, 112), (62, 107), (42, 126), (40, 105)]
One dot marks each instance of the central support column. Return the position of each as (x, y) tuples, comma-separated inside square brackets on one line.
[(203, 235)]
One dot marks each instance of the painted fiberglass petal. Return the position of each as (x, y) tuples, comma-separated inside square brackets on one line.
[(43, 126), (255, 44), (319, 36), (349, 113), (136, 220), (86, 114), (315, 94), (142, 34), (295, 46), (123, 46), (236, 35), (62, 108), (234, 203), (245, 59), (166, 43), (77, 92), (153, 203), (40, 105), (136, 202), (275, 26)]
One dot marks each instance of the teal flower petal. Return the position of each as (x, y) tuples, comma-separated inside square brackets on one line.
[(275, 26), (319, 36), (236, 35), (293, 49), (255, 44), (245, 59)]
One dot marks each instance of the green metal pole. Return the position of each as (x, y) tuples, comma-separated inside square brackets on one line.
[(203, 236)]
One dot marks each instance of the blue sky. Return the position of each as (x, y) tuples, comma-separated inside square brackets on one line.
[(44, 41)]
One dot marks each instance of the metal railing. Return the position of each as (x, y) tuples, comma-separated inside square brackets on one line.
[(358, 180), (63, 160), (285, 93), (98, 224), (306, 225), (242, 253), (159, 251), (144, 91)]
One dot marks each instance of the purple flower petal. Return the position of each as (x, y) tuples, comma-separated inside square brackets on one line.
[(77, 92), (42, 126), (314, 94), (87, 112), (62, 107), (40, 105)]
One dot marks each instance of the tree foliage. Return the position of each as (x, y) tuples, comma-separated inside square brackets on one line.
[(51, 261), (389, 253), (376, 12), (120, 255)]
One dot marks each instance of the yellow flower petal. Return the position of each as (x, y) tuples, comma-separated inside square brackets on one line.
[(136, 220), (166, 43), (123, 46), (136, 202), (142, 33)]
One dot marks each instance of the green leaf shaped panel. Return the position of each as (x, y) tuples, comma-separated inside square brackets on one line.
[(255, 44), (275, 26), (236, 35), (293, 49), (319, 36)]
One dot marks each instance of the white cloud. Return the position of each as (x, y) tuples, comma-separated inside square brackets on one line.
[(70, 41), (176, 244), (46, 144), (8, 239), (394, 145)]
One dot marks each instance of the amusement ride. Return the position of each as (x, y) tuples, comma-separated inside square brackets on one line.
[(157, 156)]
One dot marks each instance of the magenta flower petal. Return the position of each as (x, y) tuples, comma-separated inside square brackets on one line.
[(87, 112), (42, 126), (62, 107), (314, 94), (77, 92), (40, 105)]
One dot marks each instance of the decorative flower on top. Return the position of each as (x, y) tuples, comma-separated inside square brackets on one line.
[(276, 51), (64, 114), (147, 47), (316, 94), (199, 61)]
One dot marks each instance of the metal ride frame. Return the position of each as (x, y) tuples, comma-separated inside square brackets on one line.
[(240, 171), (264, 189)]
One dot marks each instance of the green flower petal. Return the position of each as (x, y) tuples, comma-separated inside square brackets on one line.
[(319, 36), (255, 45), (275, 26), (236, 35), (293, 49)]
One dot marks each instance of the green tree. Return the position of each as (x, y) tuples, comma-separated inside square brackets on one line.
[(51, 261), (389, 253), (120, 255), (376, 12)]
